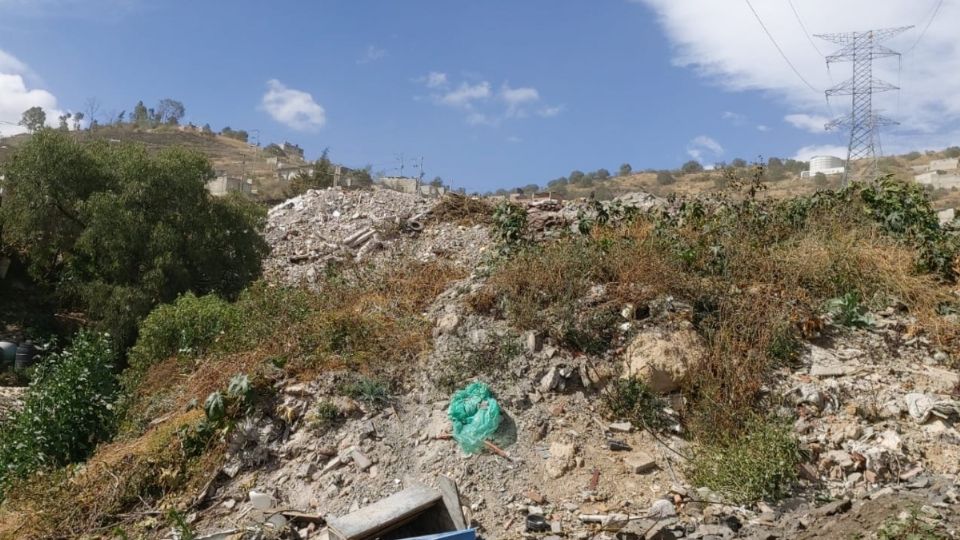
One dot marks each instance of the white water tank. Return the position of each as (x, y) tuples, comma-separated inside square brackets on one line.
[(825, 164)]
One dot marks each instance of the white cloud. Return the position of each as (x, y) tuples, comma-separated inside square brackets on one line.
[(480, 104), (807, 152), (550, 112), (807, 122), (723, 42), (736, 119), (435, 79), (295, 109), (516, 98), (465, 94), (763, 128), (703, 147), (16, 96), (371, 54)]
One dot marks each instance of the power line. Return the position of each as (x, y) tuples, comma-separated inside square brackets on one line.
[(929, 22), (804, 28), (775, 44)]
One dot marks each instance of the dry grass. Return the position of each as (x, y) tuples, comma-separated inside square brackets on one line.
[(95, 499), (363, 320), (462, 210), (756, 280)]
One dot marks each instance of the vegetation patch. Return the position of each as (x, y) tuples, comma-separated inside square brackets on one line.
[(760, 463)]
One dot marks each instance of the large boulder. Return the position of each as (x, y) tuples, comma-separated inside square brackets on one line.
[(662, 358)]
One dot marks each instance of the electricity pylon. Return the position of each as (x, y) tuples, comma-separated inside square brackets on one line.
[(861, 48)]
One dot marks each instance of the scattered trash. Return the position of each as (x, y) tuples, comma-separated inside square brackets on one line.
[(475, 416), (618, 446), (923, 406), (537, 523)]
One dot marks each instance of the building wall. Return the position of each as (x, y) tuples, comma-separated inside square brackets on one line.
[(948, 164), (828, 172), (399, 183), (222, 185), (824, 163), (938, 180)]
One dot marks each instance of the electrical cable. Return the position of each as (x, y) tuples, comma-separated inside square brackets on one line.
[(933, 16), (804, 28), (775, 44)]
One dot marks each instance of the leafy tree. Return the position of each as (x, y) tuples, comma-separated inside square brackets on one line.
[(575, 176), (601, 174), (557, 183), (63, 126), (170, 112), (121, 117), (115, 230), (664, 178), (952, 152), (692, 166), (77, 118), (738, 163), (625, 169), (321, 176), (437, 182), (272, 149), (140, 116), (207, 130), (238, 134), (361, 178), (912, 156), (33, 119), (530, 188)]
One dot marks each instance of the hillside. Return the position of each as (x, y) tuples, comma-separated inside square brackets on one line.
[(231, 156), (661, 370), (712, 181)]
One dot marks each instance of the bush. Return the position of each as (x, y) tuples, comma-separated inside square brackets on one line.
[(68, 410), (631, 399), (758, 464), (664, 178), (188, 326), (509, 224), (116, 230)]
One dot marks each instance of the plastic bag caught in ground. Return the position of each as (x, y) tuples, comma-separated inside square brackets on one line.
[(475, 416)]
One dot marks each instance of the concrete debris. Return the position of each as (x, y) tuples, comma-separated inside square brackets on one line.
[(922, 406), (662, 358)]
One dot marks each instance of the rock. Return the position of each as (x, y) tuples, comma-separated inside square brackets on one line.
[(551, 380), (448, 323), (883, 492), (662, 509), (715, 531), (561, 459), (640, 463), (661, 358), (836, 507), (260, 501), (533, 341), (362, 461), (621, 427)]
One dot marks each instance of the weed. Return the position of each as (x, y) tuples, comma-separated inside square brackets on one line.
[(631, 399), (462, 210), (759, 464), (911, 527), (509, 225), (68, 410), (365, 389), (181, 530), (325, 416), (848, 311)]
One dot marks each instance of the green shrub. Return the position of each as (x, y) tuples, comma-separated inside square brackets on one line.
[(758, 464), (631, 399), (911, 527), (509, 224), (68, 410), (325, 415), (189, 326), (367, 390)]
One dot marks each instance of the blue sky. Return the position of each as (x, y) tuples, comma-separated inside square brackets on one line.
[(492, 94)]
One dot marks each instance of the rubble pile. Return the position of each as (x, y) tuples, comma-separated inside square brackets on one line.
[(308, 232), (876, 411)]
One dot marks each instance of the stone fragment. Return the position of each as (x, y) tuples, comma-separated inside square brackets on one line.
[(640, 463), (621, 427), (561, 459), (662, 358), (835, 507)]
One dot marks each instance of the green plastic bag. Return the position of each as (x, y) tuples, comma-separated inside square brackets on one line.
[(475, 416)]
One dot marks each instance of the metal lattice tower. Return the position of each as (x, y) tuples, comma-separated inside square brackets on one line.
[(861, 48)]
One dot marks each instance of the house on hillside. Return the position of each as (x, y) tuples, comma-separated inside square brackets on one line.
[(223, 184), (286, 173), (824, 164), (413, 186), (940, 174), (292, 150)]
